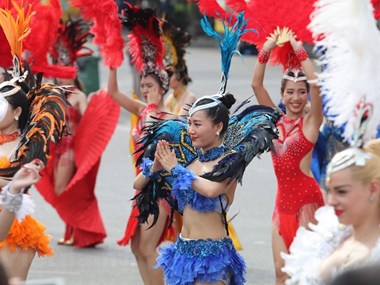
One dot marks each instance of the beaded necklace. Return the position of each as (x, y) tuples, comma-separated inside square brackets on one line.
[(211, 154), (5, 138)]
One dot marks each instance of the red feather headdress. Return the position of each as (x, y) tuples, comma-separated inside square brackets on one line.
[(145, 42), (72, 36)]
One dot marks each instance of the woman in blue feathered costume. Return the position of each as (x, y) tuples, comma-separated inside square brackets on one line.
[(203, 252), (196, 166), (200, 168)]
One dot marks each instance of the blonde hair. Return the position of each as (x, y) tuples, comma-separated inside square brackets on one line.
[(371, 169)]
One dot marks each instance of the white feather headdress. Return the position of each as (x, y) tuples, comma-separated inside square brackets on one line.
[(346, 31)]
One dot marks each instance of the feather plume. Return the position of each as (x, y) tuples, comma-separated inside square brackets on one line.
[(106, 28), (72, 36), (227, 44), (346, 31), (145, 42), (16, 29)]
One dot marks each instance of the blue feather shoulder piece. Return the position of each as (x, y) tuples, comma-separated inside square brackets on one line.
[(249, 134), (172, 131)]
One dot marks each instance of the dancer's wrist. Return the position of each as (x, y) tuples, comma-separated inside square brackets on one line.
[(263, 56), (301, 54), (147, 169), (11, 198)]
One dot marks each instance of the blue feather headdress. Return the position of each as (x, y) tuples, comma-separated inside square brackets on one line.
[(227, 44)]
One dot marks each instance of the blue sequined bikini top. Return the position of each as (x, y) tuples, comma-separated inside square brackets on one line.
[(199, 202)]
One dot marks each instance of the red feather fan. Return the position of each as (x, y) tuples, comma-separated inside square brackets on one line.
[(106, 28), (5, 51), (211, 8), (266, 15), (376, 6), (237, 5), (44, 26)]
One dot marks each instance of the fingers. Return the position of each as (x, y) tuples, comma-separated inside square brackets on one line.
[(39, 163), (161, 150), (31, 169), (165, 156)]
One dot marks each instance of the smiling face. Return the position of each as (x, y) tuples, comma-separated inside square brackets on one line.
[(352, 199), (203, 131), (294, 97)]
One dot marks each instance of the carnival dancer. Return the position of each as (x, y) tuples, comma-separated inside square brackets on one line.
[(200, 163), (71, 172), (347, 234), (298, 193), (32, 115), (180, 101), (146, 48), (22, 143)]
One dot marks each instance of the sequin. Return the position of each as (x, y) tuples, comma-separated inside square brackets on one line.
[(290, 179), (203, 247), (201, 260), (294, 188), (210, 154)]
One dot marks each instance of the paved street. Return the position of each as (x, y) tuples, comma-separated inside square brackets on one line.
[(112, 264)]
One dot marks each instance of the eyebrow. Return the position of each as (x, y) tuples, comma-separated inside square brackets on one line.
[(292, 89), (342, 187), (195, 121)]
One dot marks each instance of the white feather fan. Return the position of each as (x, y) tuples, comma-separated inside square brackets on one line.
[(346, 30)]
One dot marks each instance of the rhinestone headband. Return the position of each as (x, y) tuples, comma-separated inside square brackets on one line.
[(348, 157), (215, 102)]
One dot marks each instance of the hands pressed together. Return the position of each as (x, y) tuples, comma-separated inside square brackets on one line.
[(165, 158)]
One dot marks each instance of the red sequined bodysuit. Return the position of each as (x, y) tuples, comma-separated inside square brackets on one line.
[(297, 193)]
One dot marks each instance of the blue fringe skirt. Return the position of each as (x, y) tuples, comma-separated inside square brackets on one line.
[(205, 260)]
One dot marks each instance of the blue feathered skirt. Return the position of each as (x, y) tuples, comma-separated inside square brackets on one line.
[(205, 260)]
